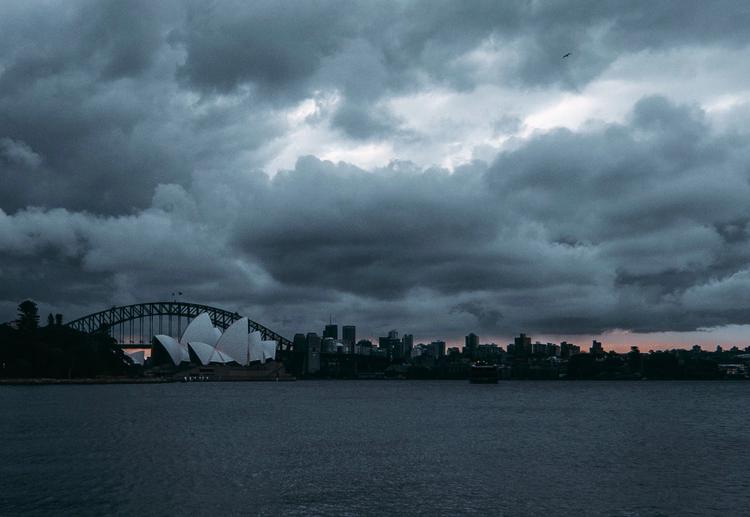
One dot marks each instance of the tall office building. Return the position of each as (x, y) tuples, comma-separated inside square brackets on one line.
[(299, 344), (522, 345), (349, 335), (471, 344), (391, 344), (438, 348), (568, 349), (331, 331), (407, 345), (313, 353)]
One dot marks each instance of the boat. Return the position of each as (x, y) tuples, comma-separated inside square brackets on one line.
[(483, 373)]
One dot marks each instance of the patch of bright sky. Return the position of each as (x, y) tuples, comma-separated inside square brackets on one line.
[(309, 133), (446, 127)]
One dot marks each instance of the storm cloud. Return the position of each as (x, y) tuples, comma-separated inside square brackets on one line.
[(435, 167)]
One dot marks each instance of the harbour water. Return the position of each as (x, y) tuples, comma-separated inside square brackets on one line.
[(375, 448)]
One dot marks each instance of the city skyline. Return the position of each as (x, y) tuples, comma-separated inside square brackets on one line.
[(616, 341), (571, 171)]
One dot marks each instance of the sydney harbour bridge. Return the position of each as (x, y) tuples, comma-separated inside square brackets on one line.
[(133, 326)]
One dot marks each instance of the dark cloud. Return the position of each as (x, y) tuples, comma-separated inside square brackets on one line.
[(361, 122), (573, 232), (487, 318), (272, 45), (277, 47), (91, 86), (67, 79), (605, 222), (134, 139)]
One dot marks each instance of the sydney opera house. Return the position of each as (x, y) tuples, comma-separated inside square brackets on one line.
[(203, 344)]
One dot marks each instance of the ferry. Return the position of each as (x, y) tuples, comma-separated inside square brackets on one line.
[(484, 373)]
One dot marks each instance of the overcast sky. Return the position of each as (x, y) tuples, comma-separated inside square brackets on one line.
[(434, 167)]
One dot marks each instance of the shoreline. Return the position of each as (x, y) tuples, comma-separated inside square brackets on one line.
[(43, 381), (165, 380)]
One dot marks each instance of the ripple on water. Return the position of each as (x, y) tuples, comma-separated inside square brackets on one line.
[(358, 448)]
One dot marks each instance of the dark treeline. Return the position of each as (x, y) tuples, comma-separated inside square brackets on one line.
[(30, 350), (673, 364)]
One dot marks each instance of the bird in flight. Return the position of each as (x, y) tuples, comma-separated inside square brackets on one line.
[(566, 55)]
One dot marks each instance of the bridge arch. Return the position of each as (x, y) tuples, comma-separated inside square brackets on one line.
[(142, 312)]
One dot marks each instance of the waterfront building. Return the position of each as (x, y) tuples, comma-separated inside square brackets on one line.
[(245, 348), (407, 344), (363, 347), (332, 331), (349, 335), (488, 352), (202, 330), (378, 352), (454, 351), (138, 357), (568, 349), (298, 342), (167, 350), (471, 343), (312, 345), (203, 344), (391, 345), (522, 345), (328, 345), (438, 348)]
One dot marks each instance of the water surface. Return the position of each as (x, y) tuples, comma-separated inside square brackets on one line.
[(377, 447)]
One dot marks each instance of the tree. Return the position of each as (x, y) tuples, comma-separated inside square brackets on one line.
[(28, 316), (635, 361), (57, 351), (582, 366), (661, 365)]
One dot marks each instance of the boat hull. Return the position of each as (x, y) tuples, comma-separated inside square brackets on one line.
[(483, 374)]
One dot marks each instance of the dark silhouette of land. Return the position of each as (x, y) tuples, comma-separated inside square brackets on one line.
[(394, 357), (54, 351)]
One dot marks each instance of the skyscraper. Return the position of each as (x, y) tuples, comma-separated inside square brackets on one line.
[(331, 331), (299, 343), (391, 344), (407, 344), (438, 348), (349, 335), (522, 345), (471, 344), (300, 352), (312, 364)]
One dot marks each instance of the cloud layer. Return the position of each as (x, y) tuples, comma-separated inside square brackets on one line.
[(437, 168)]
